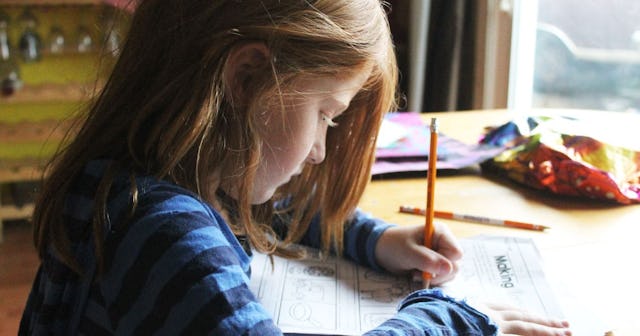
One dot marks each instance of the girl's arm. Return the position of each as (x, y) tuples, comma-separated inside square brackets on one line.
[(360, 238), (430, 312), (179, 269)]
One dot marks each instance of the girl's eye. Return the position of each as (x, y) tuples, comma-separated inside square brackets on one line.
[(329, 121)]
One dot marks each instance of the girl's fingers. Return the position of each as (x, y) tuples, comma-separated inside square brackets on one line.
[(510, 313), (529, 328), (438, 279), (433, 262), (445, 243), (517, 321), (445, 277), (533, 318)]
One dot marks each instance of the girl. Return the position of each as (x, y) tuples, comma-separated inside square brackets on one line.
[(225, 126)]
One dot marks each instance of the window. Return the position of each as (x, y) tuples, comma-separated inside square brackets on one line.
[(576, 54)]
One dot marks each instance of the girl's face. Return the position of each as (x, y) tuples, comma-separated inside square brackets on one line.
[(296, 136)]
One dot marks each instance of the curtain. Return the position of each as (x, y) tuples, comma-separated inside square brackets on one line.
[(449, 77)]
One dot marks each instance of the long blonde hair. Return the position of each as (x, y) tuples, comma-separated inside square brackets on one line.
[(164, 111)]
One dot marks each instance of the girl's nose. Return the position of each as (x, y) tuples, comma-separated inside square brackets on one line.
[(317, 153)]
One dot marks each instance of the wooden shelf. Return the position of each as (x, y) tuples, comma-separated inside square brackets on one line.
[(21, 172), (46, 130), (49, 93), (50, 2), (123, 4), (17, 173), (14, 212), (8, 212)]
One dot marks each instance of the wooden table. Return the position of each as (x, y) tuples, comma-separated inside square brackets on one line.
[(590, 252)]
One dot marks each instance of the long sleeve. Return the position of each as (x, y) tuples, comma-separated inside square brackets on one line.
[(174, 268), (177, 269), (360, 237), (430, 312)]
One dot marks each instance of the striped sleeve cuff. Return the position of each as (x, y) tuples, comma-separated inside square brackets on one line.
[(361, 237)]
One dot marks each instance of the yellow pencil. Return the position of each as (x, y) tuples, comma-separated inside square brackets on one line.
[(431, 181)]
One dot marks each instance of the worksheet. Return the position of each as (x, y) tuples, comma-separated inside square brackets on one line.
[(506, 270), (332, 296), (337, 297)]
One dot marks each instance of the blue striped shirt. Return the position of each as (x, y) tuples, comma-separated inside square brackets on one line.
[(176, 268)]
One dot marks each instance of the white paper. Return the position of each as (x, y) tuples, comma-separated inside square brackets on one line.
[(336, 296), (390, 133), (505, 270), (332, 296)]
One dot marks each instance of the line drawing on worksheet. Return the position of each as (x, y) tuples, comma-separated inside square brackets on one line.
[(335, 296), (326, 295)]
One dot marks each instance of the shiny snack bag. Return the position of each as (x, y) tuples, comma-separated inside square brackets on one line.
[(560, 155)]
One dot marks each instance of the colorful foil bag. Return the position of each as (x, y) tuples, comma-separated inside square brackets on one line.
[(553, 154)]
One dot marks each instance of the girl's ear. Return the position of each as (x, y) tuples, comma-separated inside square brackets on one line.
[(244, 61)]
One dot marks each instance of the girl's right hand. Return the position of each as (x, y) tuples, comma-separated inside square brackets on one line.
[(516, 321)]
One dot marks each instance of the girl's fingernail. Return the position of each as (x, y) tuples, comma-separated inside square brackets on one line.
[(444, 269)]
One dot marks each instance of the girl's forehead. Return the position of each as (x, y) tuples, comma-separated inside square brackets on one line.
[(331, 84), (333, 92)]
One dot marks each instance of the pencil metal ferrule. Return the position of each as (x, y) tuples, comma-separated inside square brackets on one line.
[(434, 125)]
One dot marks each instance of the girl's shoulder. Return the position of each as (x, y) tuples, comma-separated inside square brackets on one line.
[(142, 208), (140, 193), (164, 214), (162, 201), (166, 196)]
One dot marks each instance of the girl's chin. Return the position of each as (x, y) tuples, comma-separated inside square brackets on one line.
[(262, 197)]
